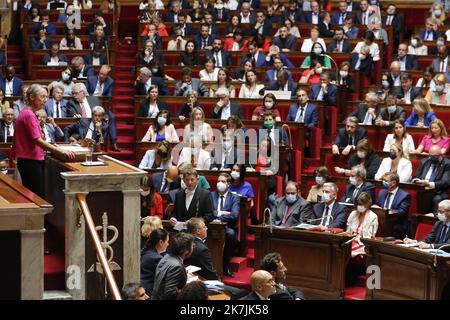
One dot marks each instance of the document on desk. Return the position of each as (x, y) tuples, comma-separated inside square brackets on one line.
[(192, 269), (305, 226), (438, 252), (215, 283), (409, 245), (180, 226)]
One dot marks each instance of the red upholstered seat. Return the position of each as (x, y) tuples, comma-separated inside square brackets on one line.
[(422, 231)]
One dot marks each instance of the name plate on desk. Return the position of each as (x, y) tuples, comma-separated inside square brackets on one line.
[(94, 163)]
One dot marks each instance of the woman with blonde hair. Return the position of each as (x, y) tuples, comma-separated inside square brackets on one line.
[(396, 162), (440, 94), (437, 12), (223, 81), (437, 136), (149, 224), (197, 128), (400, 136), (422, 114)]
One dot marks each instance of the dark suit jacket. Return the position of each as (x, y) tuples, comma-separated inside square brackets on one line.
[(82, 127), (255, 4), (365, 67), (231, 204), (442, 180), (371, 164), (225, 15), (307, 17), (197, 85), (292, 87), (17, 85), (400, 93), (311, 115), (235, 110), (270, 75), (88, 59), (189, 60), (398, 114), (411, 62), (287, 293), (267, 29), (300, 211), (365, 187), (225, 55), (251, 296), (198, 40), (338, 213), (324, 30), (289, 43), (2, 58), (361, 111), (201, 206), (341, 139), (336, 17), (3, 131), (74, 108), (143, 108), (187, 29), (86, 72), (260, 62), (297, 15), (401, 203), (435, 234), (201, 257), (422, 34), (397, 24), (157, 179), (108, 86), (156, 56), (157, 81), (49, 29), (349, 81), (50, 105), (149, 260), (47, 57), (170, 275), (329, 98), (346, 46)]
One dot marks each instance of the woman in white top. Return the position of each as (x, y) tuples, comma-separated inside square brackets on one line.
[(308, 43), (210, 72), (250, 89), (70, 41), (161, 129), (417, 47), (200, 159), (427, 79), (362, 222), (396, 162), (369, 40), (198, 131), (400, 136), (158, 158)]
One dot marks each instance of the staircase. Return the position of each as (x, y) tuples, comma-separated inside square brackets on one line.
[(123, 101), (15, 59)]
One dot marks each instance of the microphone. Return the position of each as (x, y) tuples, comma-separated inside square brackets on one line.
[(334, 62), (435, 254), (290, 136), (265, 218), (318, 219)]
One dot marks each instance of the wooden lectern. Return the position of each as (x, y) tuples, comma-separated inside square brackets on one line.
[(22, 237), (113, 196)]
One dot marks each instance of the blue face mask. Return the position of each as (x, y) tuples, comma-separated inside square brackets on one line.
[(291, 198), (385, 185)]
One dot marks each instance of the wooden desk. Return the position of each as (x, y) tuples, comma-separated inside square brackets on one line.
[(406, 273), (316, 261)]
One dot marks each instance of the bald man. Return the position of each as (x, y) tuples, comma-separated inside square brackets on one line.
[(167, 180), (394, 73), (263, 286)]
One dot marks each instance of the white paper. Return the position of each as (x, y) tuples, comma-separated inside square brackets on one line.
[(215, 283), (179, 226), (191, 279), (305, 226), (409, 245), (438, 252), (192, 269), (74, 148)]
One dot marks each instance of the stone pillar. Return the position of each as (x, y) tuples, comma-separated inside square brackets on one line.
[(32, 264)]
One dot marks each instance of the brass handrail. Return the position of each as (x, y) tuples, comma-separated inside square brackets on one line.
[(98, 247)]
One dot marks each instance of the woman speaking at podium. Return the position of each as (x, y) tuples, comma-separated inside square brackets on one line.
[(28, 142)]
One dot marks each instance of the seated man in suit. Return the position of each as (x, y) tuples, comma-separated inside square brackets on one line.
[(224, 108), (262, 26), (274, 52), (293, 12), (45, 24), (326, 91), (254, 53), (55, 57), (50, 129), (246, 15), (393, 19), (369, 111), (348, 137), (167, 180), (188, 84), (201, 256), (338, 18), (357, 184), (170, 275), (339, 44), (148, 54), (271, 74), (440, 234), (351, 31), (302, 111), (203, 40), (285, 41), (7, 125), (390, 113), (192, 201), (407, 61), (95, 128), (226, 209), (273, 263), (10, 84), (101, 85), (329, 213), (430, 33), (291, 209), (434, 172), (396, 200), (56, 106), (313, 16), (222, 57), (145, 80), (283, 83), (80, 69), (96, 57), (441, 63), (263, 286), (407, 93), (362, 62)]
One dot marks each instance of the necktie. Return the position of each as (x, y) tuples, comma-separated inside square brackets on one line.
[(83, 110), (341, 19), (217, 60), (220, 14), (364, 18), (388, 199), (443, 234), (300, 118), (355, 192), (163, 186), (389, 20), (286, 215), (221, 203), (325, 217), (350, 141), (433, 173), (58, 114), (8, 133), (204, 44), (442, 65), (367, 119)]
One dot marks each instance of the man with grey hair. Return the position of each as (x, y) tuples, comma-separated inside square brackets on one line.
[(348, 137), (145, 80), (80, 69), (56, 106), (224, 108), (95, 128), (291, 209), (274, 52), (7, 125), (368, 111), (357, 185), (362, 61), (329, 213), (50, 129)]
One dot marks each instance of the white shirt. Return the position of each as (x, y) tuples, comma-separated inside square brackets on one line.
[(11, 131), (226, 112), (388, 205), (98, 89), (148, 84), (407, 143), (326, 220), (9, 88), (396, 80), (404, 169), (203, 161), (320, 95), (189, 196), (207, 76), (315, 18), (443, 64), (90, 131), (245, 19), (308, 43), (153, 110), (408, 96), (231, 5), (218, 57), (373, 49), (402, 63)]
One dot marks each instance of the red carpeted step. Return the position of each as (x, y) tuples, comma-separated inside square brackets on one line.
[(125, 139), (122, 107), (54, 276), (123, 154), (355, 293), (238, 263), (240, 279)]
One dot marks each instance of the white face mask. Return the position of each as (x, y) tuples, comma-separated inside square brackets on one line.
[(361, 209), (442, 217), (326, 197), (343, 73), (65, 76), (320, 180), (352, 180), (439, 43), (317, 51), (219, 6), (391, 109), (385, 84), (162, 121), (414, 42), (437, 13), (155, 70), (319, 70), (235, 175), (361, 154), (268, 105), (221, 186)]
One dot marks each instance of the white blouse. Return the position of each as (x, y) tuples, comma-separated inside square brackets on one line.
[(246, 92), (404, 169), (407, 143), (308, 43), (420, 51), (206, 76), (369, 226)]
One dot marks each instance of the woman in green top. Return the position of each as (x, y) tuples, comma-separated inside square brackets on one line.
[(316, 54), (223, 80)]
